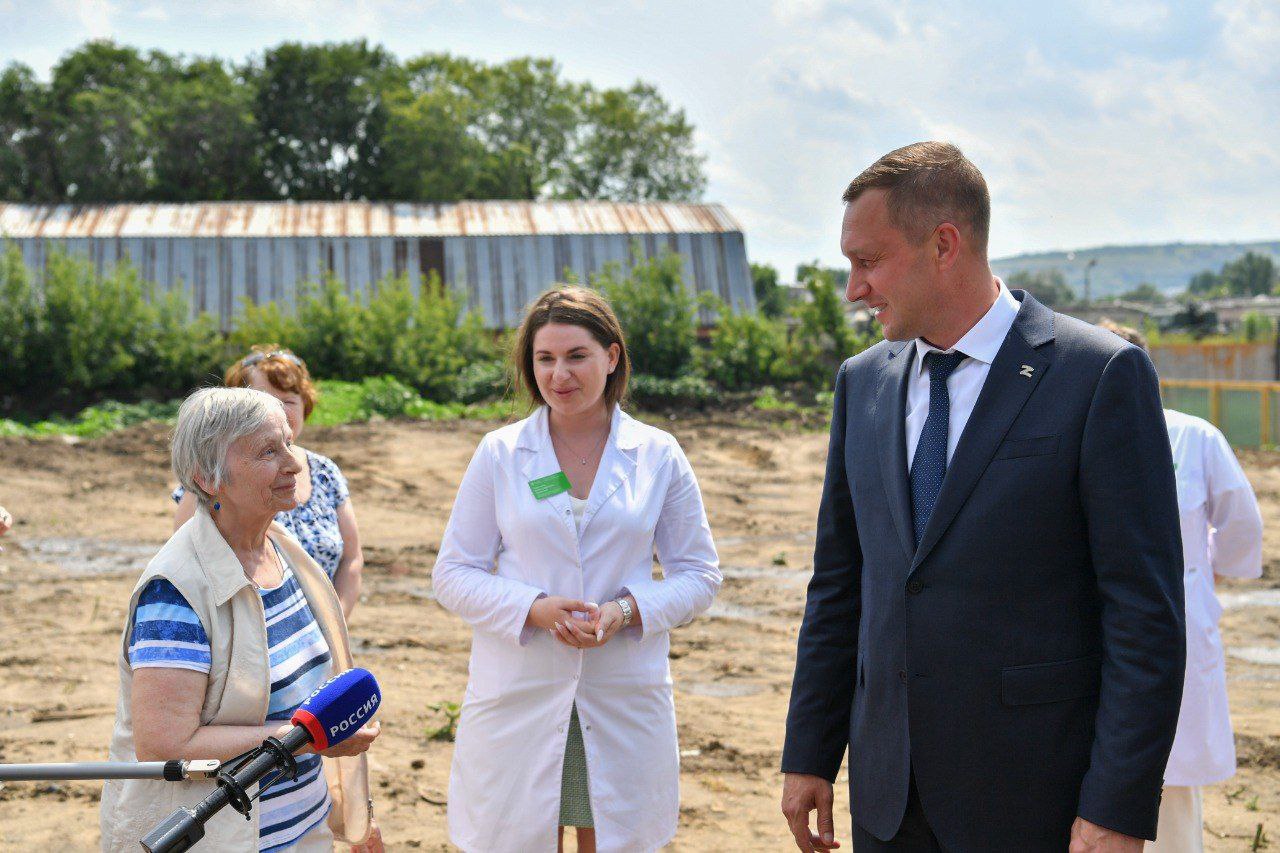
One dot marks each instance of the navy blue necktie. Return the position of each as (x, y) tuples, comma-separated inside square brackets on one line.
[(929, 465)]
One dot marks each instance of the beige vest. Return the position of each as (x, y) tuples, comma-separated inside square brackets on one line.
[(200, 563)]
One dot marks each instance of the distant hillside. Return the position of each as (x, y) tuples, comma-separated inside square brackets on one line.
[(1122, 268)]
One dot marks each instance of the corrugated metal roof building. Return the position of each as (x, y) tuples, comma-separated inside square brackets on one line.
[(501, 254)]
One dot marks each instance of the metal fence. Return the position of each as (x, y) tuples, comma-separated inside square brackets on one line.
[(1248, 413)]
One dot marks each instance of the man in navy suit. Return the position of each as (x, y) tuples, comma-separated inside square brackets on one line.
[(994, 627)]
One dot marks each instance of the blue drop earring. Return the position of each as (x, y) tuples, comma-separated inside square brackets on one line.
[(217, 505)]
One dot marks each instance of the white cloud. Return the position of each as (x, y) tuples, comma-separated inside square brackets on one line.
[(1078, 150), (94, 17)]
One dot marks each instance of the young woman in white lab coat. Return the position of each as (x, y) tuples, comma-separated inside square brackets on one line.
[(568, 717)]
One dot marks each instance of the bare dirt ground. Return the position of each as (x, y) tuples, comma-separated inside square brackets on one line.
[(90, 514)]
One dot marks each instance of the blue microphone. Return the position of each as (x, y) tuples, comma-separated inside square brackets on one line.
[(330, 715), (338, 708)]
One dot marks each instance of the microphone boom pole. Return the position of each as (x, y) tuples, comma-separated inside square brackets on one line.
[(168, 771), (182, 829)]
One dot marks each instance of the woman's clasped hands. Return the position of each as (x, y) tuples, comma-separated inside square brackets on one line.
[(580, 624)]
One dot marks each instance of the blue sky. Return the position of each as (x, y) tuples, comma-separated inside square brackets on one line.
[(1094, 122)]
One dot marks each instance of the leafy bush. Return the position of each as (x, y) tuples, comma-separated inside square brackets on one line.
[(654, 391), (96, 420), (424, 341), (480, 381), (386, 397), (747, 351), (769, 401), (822, 339), (657, 313), (78, 336), (1255, 326)]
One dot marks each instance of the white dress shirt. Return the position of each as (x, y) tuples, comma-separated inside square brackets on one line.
[(980, 344), (1221, 534)]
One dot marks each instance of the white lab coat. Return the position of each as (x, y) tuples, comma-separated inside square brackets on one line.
[(1222, 534), (504, 787)]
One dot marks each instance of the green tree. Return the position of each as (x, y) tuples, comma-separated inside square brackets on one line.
[(1205, 283), (99, 95), (321, 115), (1048, 286), (27, 169), (770, 300), (632, 145), (430, 151), (657, 313), (1145, 292), (205, 134), (1250, 275), (525, 122)]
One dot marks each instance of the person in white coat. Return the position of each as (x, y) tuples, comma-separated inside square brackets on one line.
[(569, 717), (1221, 537)]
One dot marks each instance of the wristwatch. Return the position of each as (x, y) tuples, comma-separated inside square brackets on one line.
[(627, 612)]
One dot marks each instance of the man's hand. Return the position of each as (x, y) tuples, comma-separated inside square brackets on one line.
[(1088, 837), (801, 794)]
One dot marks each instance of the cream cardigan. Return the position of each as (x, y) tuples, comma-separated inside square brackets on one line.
[(200, 563)]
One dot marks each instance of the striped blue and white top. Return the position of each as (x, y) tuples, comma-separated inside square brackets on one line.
[(167, 633)]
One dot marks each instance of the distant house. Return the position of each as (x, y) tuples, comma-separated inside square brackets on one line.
[(498, 254)]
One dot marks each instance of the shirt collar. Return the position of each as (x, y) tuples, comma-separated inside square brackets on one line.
[(984, 340)]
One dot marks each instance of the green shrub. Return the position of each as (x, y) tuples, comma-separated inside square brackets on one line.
[(747, 351), (94, 421), (655, 391), (481, 381), (657, 313), (822, 339), (769, 401), (1257, 327), (20, 316), (386, 396), (265, 324), (331, 328), (425, 341), (183, 353)]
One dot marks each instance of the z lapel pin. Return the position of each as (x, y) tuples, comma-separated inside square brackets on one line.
[(1027, 370)]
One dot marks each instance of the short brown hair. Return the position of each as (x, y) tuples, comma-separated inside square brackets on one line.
[(573, 306), (1129, 333), (284, 370), (926, 184)]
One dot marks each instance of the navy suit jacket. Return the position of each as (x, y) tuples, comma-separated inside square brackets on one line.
[(1027, 659)]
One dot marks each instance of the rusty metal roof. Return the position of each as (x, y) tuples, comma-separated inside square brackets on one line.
[(361, 219)]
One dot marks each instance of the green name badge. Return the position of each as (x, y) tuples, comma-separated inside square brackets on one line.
[(552, 484)]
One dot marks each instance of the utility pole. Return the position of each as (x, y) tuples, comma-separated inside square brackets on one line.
[(1088, 295)]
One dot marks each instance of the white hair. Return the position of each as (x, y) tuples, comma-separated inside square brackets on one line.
[(209, 422)]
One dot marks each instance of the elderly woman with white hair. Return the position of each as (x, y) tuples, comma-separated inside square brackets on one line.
[(230, 627)]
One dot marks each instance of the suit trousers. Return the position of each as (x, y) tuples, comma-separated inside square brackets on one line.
[(914, 835)]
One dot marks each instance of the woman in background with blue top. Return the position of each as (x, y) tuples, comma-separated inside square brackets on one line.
[(230, 627), (324, 520)]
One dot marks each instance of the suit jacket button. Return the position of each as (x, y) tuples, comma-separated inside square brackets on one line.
[(902, 676), (915, 587)]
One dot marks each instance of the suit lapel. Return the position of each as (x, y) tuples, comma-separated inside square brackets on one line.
[(890, 417), (1015, 372), (617, 465)]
